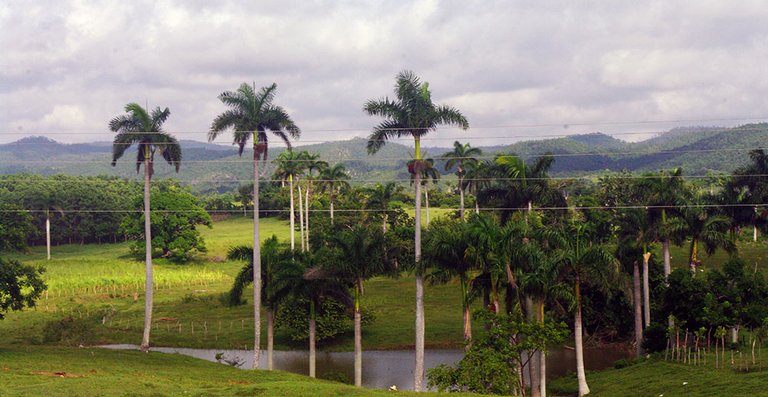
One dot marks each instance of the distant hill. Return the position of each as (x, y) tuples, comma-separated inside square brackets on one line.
[(209, 167)]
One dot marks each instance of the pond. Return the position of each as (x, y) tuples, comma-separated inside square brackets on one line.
[(384, 368)]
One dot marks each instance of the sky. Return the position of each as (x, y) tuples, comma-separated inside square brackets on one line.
[(516, 69)]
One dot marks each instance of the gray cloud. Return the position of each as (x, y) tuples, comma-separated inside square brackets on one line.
[(69, 66)]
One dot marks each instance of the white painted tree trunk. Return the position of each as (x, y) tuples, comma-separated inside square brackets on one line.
[(48, 234), (292, 216), (256, 265), (418, 372), (754, 233), (148, 277), (331, 210), (301, 219), (477, 207), (579, 345), (667, 259)]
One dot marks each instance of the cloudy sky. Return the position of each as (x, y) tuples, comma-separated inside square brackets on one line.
[(516, 69)]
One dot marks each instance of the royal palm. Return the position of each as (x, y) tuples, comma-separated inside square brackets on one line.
[(251, 115), (412, 114), (145, 131)]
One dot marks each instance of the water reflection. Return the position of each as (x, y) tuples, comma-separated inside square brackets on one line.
[(384, 368)]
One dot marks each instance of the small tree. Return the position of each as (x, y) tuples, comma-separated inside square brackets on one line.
[(15, 227), (175, 215), (492, 363), (20, 285)]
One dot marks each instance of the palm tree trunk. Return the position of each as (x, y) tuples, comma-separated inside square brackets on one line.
[(312, 354), (533, 363), (48, 234), (358, 336), (301, 219), (477, 207), (646, 290), (467, 312), (292, 215), (426, 201), (270, 337), (418, 371), (638, 309), (148, 284), (543, 357), (579, 344), (256, 264), (461, 196), (331, 199), (667, 262), (306, 216)]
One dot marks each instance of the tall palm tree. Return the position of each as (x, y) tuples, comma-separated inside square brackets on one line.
[(412, 114), (277, 266), (478, 177), (290, 165), (705, 228), (361, 257), (315, 285), (664, 192), (379, 197), (445, 250), (251, 114), (145, 130), (312, 164), (332, 180), (579, 260), (461, 155)]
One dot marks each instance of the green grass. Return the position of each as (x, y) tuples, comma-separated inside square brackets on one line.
[(56, 371), (99, 283), (657, 377)]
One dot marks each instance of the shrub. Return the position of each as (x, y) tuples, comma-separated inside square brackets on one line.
[(655, 338), (69, 331)]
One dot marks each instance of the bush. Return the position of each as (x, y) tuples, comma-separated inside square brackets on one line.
[(69, 331), (655, 338), (332, 318), (334, 376)]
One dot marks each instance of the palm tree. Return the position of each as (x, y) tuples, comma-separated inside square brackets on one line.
[(276, 267), (360, 257), (332, 180), (312, 164), (580, 259), (460, 156), (477, 178), (314, 286), (705, 228), (412, 114), (664, 192), (145, 130), (445, 250), (378, 198), (251, 115), (289, 166), (47, 202)]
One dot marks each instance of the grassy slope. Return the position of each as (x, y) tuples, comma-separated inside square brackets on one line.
[(658, 377), (99, 372)]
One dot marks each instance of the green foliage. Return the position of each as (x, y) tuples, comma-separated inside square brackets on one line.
[(655, 338), (336, 377), (68, 331), (175, 215), (494, 357), (333, 319), (15, 227), (20, 285)]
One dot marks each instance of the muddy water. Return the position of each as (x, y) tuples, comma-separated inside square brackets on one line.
[(384, 368)]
